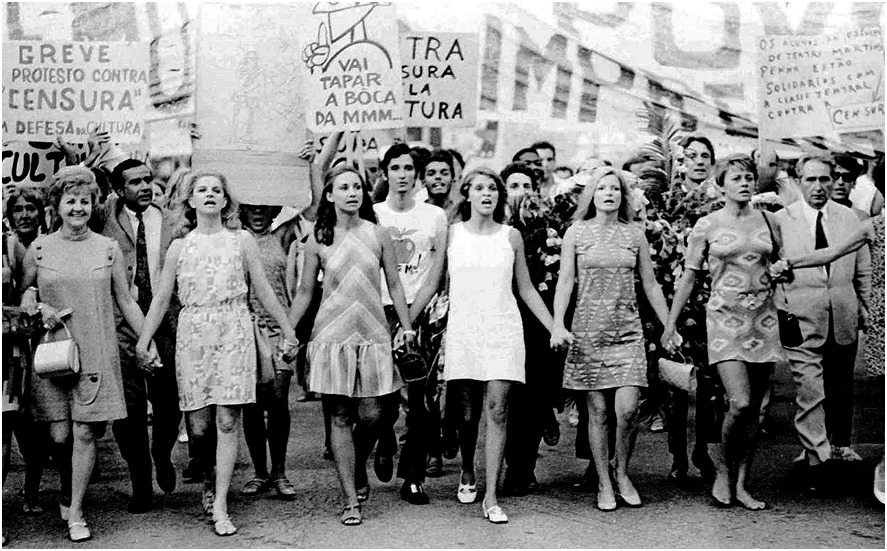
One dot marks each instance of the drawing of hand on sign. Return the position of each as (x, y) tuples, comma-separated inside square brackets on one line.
[(342, 26)]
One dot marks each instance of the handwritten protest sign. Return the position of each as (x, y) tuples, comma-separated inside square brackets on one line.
[(440, 76), (34, 163), (248, 105), (73, 88), (169, 137), (821, 85), (352, 57)]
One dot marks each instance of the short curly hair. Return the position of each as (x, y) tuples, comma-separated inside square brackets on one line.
[(71, 178)]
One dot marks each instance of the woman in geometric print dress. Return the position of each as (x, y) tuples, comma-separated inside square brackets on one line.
[(743, 329), (607, 361), (213, 268), (349, 354)]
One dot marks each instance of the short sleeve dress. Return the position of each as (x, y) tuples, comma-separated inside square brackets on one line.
[(215, 345), (349, 353), (76, 273), (485, 338), (608, 347), (741, 314)]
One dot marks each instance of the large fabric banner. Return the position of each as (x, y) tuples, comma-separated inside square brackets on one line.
[(53, 88), (249, 105), (440, 78), (352, 58), (33, 163)]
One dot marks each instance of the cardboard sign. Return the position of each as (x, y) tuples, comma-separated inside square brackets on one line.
[(34, 163), (73, 88), (352, 59), (169, 137), (248, 104), (822, 84), (440, 78)]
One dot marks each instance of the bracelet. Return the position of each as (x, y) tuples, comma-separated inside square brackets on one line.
[(290, 344)]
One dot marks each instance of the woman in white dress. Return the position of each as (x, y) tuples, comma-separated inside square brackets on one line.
[(484, 343)]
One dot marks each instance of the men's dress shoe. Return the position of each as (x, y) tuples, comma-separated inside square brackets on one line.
[(384, 467), (166, 475), (413, 493)]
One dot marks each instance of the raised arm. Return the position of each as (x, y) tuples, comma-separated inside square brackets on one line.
[(649, 283), (262, 289), (308, 283), (525, 288), (566, 280), (317, 168), (827, 255)]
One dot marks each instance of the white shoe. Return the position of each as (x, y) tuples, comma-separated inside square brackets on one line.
[(467, 493), (494, 514), (879, 481)]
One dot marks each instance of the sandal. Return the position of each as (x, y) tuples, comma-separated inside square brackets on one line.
[(284, 488), (78, 531), (224, 526), (494, 514), (351, 515), (363, 494), (256, 486)]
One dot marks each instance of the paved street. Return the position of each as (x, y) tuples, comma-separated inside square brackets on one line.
[(560, 515)]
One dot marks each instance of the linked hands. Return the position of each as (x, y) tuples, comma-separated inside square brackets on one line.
[(560, 337)]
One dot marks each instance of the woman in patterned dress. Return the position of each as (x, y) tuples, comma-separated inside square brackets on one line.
[(743, 331), (349, 355), (214, 267), (607, 360)]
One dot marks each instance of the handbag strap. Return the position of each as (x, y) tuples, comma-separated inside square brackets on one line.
[(47, 332)]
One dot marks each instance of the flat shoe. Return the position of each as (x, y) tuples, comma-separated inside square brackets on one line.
[(384, 467), (494, 514), (351, 515), (634, 503), (78, 531), (467, 493), (363, 494), (224, 526), (255, 487), (284, 488), (715, 502), (413, 493)]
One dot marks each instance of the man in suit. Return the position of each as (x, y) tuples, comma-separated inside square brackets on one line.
[(144, 233), (829, 302)]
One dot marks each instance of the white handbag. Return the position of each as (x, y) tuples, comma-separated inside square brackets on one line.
[(57, 358), (678, 375)]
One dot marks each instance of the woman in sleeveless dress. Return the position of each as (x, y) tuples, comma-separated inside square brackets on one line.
[(349, 356), (84, 272), (271, 395), (607, 361), (213, 268), (735, 244), (484, 347)]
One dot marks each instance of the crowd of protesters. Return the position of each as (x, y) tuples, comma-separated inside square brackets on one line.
[(448, 296)]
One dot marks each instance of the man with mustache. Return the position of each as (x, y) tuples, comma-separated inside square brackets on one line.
[(144, 233)]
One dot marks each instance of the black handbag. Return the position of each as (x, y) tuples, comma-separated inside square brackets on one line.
[(789, 326)]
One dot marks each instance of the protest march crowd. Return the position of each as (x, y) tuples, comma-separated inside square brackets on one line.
[(422, 286)]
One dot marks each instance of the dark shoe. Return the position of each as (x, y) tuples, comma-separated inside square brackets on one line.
[(256, 486), (552, 435), (166, 475), (384, 467), (434, 467), (413, 493), (140, 504), (284, 488), (450, 445)]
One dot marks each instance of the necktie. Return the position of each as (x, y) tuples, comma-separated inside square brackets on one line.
[(143, 272), (821, 241)]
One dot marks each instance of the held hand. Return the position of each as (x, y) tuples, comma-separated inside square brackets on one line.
[(50, 315), (780, 269), (288, 346), (308, 152), (668, 337), (144, 356), (560, 337)]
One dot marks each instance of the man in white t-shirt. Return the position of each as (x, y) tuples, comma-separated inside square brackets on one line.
[(419, 233)]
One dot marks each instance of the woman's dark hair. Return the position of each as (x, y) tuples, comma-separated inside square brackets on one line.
[(501, 200), (878, 175), (399, 150), (275, 210), (325, 226), (29, 195), (519, 168), (438, 156), (230, 217), (586, 209), (685, 143), (457, 157), (739, 161)]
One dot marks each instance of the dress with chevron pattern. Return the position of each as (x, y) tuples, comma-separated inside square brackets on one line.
[(350, 349), (608, 347), (741, 314)]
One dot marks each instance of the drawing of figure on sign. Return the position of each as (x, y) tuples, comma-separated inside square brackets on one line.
[(343, 25), (247, 98)]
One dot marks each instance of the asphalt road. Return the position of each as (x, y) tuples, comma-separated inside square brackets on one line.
[(560, 515)]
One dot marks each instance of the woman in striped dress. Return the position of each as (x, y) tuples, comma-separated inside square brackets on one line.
[(349, 355)]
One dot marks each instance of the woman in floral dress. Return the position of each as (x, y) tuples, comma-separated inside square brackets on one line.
[(214, 267)]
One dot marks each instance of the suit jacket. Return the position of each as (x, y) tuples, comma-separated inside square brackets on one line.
[(814, 297), (113, 222)]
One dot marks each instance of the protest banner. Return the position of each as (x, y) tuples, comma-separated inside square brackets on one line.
[(169, 137), (248, 102), (74, 88), (352, 56), (440, 77), (821, 85), (34, 163)]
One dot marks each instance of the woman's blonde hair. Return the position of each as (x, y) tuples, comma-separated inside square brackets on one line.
[(586, 209), (189, 214)]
